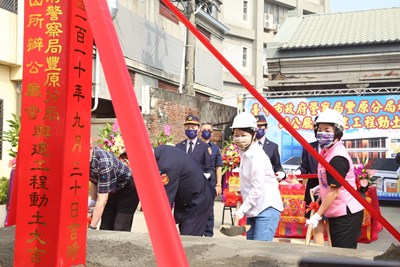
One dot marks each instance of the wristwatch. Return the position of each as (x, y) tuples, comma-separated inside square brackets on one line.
[(92, 227)]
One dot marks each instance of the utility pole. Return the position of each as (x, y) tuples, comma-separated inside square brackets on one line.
[(190, 50)]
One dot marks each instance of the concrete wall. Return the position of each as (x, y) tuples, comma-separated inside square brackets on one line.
[(153, 45), (11, 32), (8, 94), (8, 32)]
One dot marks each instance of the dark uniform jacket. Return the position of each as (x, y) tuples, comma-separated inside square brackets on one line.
[(216, 158), (184, 182), (271, 149), (201, 155), (309, 165)]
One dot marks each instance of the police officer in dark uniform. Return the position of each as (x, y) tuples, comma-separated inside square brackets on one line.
[(269, 147), (199, 151), (309, 165), (206, 131), (187, 188)]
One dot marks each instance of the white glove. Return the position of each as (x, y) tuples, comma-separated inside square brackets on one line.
[(91, 203), (207, 175), (280, 175), (315, 190), (239, 214), (314, 220), (91, 210), (297, 172)]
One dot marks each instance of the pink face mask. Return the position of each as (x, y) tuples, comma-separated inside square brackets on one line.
[(243, 142)]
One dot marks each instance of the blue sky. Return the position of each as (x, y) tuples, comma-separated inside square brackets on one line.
[(354, 5)]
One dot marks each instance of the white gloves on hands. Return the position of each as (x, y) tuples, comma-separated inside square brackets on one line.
[(239, 214), (314, 220), (91, 203), (280, 175), (297, 172), (315, 190)]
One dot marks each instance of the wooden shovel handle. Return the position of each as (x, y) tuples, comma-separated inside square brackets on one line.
[(236, 220), (310, 227)]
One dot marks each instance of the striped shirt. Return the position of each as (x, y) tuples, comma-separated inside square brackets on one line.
[(107, 172)]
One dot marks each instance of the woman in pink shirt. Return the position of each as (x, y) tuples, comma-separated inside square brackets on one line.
[(344, 212)]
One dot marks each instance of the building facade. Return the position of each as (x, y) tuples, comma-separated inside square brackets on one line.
[(11, 31), (154, 44), (312, 57), (253, 24)]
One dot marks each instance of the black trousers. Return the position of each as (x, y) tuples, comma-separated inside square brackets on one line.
[(209, 231), (196, 225), (345, 230), (311, 183), (120, 208)]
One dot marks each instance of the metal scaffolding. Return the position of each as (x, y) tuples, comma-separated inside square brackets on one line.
[(331, 92)]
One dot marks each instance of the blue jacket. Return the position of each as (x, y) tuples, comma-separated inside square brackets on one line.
[(184, 182), (202, 156), (272, 151), (309, 165)]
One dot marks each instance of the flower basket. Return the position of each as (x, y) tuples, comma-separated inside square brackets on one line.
[(364, 175), (230, 157), (111, 139)]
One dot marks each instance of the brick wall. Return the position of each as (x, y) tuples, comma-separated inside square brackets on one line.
[(171, 108)]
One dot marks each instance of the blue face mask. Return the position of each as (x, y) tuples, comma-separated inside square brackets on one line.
[(260, 133), (206, 134), (191, 134), (325, 139)]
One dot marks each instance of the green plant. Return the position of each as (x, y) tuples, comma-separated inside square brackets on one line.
[(4, 183), (165, 137), (12, 136)]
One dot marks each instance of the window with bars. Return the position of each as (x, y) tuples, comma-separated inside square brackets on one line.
[(244, 57), (168, 14), (245, 9), (10, 5), (366, 148)]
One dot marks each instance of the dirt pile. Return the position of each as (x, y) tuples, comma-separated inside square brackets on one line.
[(391, 254)]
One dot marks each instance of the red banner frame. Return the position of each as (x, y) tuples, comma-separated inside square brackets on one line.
[(52, 163)]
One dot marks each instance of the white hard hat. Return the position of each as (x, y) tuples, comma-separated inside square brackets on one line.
[(244, 120), (331, 116)]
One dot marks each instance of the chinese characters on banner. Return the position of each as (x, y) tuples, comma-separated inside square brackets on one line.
[(372, 127), (372, 118), (370, 112), (53, 157)]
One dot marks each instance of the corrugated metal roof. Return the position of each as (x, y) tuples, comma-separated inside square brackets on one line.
[(347, 29)]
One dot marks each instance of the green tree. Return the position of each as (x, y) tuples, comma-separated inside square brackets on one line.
[(12, 136), (4, 183)]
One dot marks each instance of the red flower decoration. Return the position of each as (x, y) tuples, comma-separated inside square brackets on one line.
[(313, 206)]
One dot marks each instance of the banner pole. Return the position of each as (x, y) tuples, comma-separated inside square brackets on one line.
[(164, 236)]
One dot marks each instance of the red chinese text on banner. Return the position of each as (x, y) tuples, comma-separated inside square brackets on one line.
[(53, 156)]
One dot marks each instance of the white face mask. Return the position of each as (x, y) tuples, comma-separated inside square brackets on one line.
[(243, 142)]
